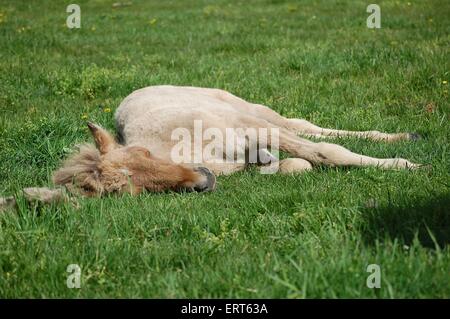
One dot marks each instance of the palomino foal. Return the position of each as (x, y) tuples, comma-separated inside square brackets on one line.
[(146, 121), (147, 118)]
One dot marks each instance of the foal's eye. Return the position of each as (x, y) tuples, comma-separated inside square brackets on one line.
[(147, 153), (140, 150), (144, 152)]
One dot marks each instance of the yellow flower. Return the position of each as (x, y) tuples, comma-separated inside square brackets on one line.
[(292, 7), (84, 116), (444, 82), (106, 110), (153, 21)]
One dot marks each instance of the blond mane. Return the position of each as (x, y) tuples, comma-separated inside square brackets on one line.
[(80, 169)]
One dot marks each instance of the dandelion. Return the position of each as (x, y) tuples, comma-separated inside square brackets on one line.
[(107, 110), (153, 21), (84, 116), (444, 82)]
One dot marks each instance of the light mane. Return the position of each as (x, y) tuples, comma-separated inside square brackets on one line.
[(81, 170)]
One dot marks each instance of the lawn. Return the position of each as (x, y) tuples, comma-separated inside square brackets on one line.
[(309, 235)]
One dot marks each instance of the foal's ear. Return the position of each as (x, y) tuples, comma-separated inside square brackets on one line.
[(103, 140)]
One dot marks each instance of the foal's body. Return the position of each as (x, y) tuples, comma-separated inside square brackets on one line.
[(147, 118)]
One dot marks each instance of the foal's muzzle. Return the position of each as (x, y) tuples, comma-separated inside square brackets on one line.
[(209, 184)]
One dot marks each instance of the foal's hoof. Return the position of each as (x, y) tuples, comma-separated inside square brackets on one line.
[(209, 184), (414, 136), (7, 203)]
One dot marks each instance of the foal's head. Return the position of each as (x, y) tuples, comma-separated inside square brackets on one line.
[(110, 167)]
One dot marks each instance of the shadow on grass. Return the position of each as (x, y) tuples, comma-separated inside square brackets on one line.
[(419, 218)]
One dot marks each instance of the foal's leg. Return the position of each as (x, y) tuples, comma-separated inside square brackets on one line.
[(42, 195), (308, 129), (305, 128), (260, 116), (321, 153), (318, 153), (294, 165), (334, 155)]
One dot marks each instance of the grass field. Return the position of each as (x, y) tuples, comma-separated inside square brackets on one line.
[(302, 236)]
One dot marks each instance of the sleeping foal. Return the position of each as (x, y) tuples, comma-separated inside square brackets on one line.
[(146, 121)]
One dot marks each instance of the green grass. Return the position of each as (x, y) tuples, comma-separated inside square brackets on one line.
[(309, 235)]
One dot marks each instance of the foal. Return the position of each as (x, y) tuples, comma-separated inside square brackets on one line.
[(146, 121), (149, 116)]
